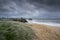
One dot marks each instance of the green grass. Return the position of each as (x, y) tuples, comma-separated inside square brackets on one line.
[(15, 31)]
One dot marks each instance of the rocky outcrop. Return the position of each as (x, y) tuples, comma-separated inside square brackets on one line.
[(23, 20), (20, 20)]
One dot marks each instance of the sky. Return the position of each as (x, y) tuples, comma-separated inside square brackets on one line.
[(30, 8)]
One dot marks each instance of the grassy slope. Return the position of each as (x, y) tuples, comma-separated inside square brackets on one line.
[(11, 30), (15, 31)]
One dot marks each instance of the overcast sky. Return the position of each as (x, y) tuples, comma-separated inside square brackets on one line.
[(30, 8)]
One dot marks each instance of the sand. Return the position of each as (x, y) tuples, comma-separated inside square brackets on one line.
[(44, 32)]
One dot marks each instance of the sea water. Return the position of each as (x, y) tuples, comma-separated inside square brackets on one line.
[(51, 22)]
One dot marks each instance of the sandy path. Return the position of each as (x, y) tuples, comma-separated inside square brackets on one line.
[(44, 32)]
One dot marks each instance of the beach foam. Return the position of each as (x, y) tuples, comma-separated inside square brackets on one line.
[(45, 23)]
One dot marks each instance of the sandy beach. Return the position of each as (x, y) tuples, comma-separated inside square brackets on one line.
[(45, 32)]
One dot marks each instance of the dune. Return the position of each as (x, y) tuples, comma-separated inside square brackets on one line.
[(44, 32), (27, 31)]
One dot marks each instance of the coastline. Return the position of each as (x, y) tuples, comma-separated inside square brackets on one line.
[(44, 23), (42, 32)]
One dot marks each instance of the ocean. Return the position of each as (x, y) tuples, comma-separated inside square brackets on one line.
[(51, 22)]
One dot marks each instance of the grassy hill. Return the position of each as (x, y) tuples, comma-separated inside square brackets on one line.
[(10, 30)]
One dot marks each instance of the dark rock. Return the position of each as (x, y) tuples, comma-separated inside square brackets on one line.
[(23, 20), (20, 20)]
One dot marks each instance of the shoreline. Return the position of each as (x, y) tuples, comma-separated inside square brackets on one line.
[(44, 23)]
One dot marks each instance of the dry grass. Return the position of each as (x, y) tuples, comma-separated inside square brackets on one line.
[(10, 30), (44, 32)]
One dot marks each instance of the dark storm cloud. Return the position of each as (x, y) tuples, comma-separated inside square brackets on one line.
[(17, 9), (30, 8), (51, 7), (47, 2)]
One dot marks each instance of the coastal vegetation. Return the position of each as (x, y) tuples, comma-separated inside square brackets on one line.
[(11, 30)]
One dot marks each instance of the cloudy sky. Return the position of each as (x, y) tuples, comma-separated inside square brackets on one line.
[(30, 8)]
